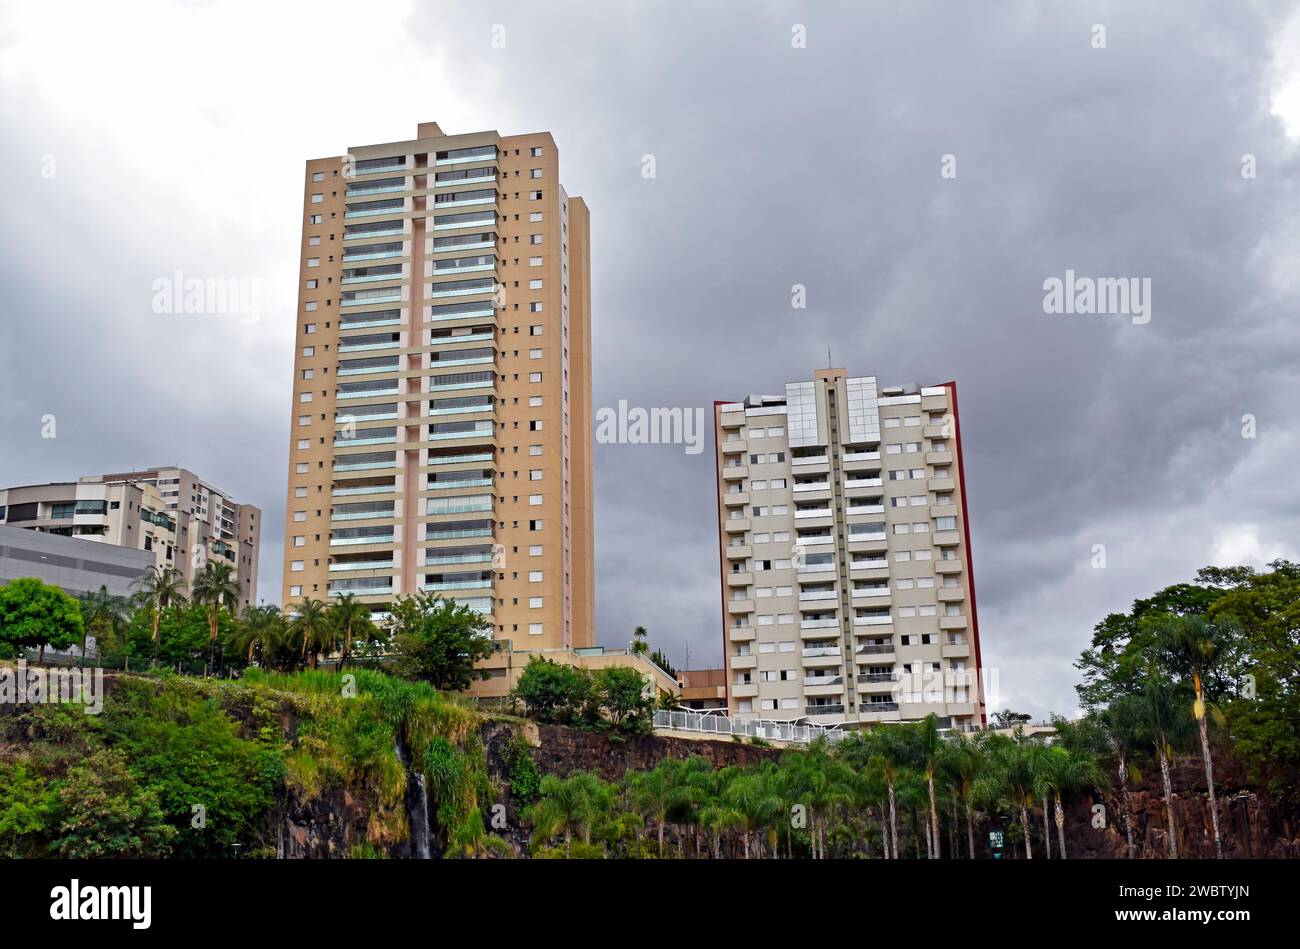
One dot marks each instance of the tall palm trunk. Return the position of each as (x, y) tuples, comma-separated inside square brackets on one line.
[(157, 622), (970, 833), (1047, 821), (1169, 799), (212, 639), (1060, 824), (1128, 810), (1025, 825), (884, 834), (893, 817), (934, 817), (1209, 783)]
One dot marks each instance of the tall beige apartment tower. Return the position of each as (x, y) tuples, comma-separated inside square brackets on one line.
[(847, 595), (442, 384)]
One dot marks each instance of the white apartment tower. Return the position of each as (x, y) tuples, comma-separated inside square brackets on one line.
[(847, 594)]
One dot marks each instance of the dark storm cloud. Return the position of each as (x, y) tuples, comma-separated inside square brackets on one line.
[(777, 166)]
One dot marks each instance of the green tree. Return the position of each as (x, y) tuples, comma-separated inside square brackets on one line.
[(35, 614), (1199, 648), (160, 588), (311, 629), (552, 692), (620, 691), (260, 629), (352, 621), (640, 645), (439, 641), (215, 589), (104, 813), (567, 807), (104, 616), (28, 809), (1165, 727)]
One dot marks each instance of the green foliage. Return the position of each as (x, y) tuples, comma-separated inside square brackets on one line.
[(35, 615), (610, 698), (525, 779), (104, 813), (439, 641), (187, 753), (28, 810), (554, 693)]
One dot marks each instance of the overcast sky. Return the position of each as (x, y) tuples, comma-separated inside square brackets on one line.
[(173, 138)]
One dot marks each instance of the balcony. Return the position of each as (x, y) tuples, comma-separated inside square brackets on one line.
[(955, 650), (820, 630), (744, 662), (822, 661), (951, 594), (735, 472), (878, 708), (741, 634), (806, 596), (731, 419), (738, 607), (946, 538), (938, 457), (816, 571), (741, 579), (947, 566), (869, 570), (875, 649), (872, 621), (805, 460), (801, 487), (735, 498), (747, 690), (934, 403), (735, 525), (952, 622), (812, 514), (876, 683), (941, 484), (854, 484), (361, 565), (738, 551), (879, 595), (813, 711)]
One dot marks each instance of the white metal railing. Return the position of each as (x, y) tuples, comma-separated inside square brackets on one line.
[(717, 724)]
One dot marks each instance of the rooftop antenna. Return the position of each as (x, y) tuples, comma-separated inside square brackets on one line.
[(829, 364)]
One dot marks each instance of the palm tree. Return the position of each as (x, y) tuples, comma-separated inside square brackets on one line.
[(352, 621), (472, 841), (750, 795), (655, 792), (215, 588), (158, 589), (1196, 644), (928, 746), (566, 806), (1009, 776), (891, 752), (640, 645), (719, 819), (961, 760), (259, 626), (1122, 723), (311, 628), (1164, 725), (103, 613)]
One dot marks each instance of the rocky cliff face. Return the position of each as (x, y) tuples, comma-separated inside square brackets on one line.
[(1251, 824), (561, 751)]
